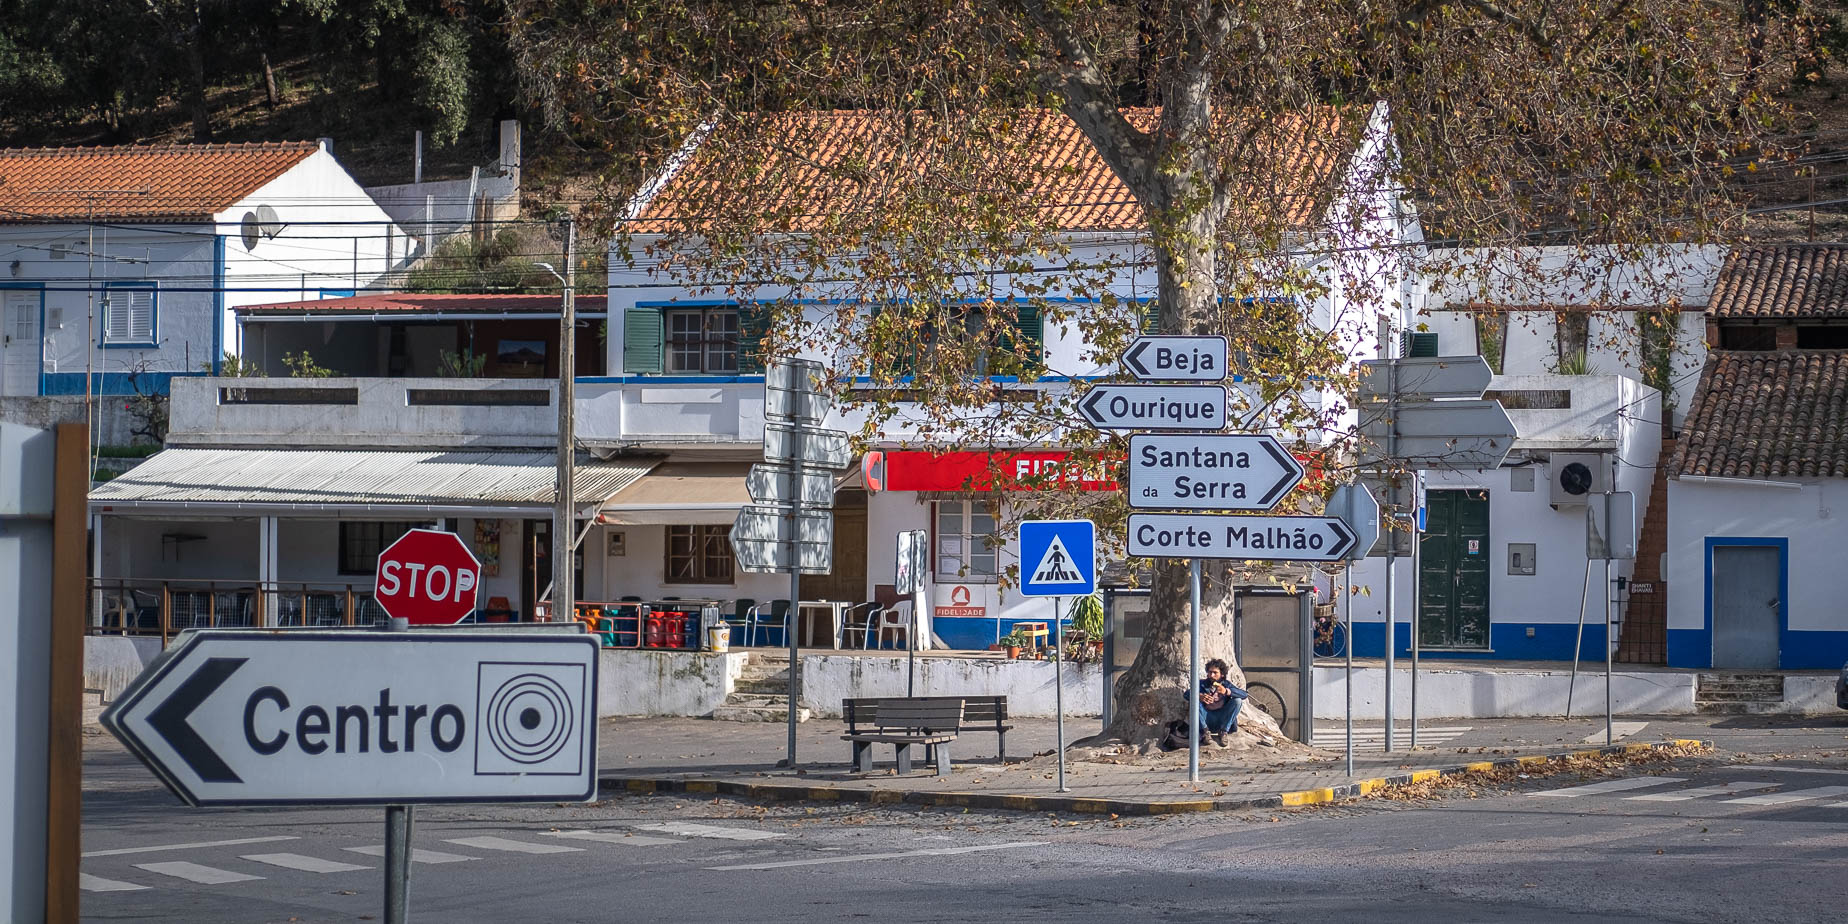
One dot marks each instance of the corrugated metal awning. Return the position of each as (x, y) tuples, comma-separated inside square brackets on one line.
[(681, 494), (307, 480)]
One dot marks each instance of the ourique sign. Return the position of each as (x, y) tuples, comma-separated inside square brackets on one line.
[(1196, 535), (1169, 357), (256, 717), (1217, 472), (428, 578), (1155, 407)]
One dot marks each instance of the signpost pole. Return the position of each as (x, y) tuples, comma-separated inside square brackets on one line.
[(1193, 675), (793, 616), (1058, 685), (397, 835), (1347, 611), (1608, 610), (564, 519), (1417, 612)]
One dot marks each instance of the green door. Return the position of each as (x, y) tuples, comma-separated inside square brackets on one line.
[(1453, 571)]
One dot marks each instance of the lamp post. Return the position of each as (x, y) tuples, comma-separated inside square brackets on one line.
[(564, 526)]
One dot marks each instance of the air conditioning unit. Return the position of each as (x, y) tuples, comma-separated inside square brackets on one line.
[(1576, 476)]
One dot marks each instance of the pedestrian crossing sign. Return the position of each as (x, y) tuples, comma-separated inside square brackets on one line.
[(1058, 558)]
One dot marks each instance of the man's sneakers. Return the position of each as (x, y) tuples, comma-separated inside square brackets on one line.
[(1219, 739)]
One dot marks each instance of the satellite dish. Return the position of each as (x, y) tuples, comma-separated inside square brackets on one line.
[(269, 221), (251, 231)]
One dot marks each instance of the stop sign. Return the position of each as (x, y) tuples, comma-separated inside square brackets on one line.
[(427, 577)]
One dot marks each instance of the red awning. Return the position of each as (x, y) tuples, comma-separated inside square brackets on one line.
[(1026, 470)]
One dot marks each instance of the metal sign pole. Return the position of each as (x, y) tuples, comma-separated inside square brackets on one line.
[(1608, 609), (1193, 678), (1578, 647), (793, 617), (397, 836), (1417, 612), (1347, 594), (1058, 685)]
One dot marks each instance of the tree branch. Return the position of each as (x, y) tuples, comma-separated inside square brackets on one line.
[(1090, 101)]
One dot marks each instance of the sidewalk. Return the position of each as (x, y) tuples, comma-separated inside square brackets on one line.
[(739, 758)]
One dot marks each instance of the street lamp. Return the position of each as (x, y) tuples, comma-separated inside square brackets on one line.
[(564, 545)]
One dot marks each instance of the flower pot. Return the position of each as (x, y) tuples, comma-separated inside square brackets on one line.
[(1013, 651)]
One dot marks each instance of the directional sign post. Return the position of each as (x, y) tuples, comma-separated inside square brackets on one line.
[(1155, 407), (1164, 357), (1058, 558), (1438, 434), (1241, 471), (1201, 535), (1425, 377), (768, 484), (1354, 505)]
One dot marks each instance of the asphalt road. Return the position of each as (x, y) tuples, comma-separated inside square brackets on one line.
[(1700, 840)]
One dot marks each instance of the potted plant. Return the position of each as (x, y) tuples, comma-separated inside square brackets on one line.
[(1012, 643)]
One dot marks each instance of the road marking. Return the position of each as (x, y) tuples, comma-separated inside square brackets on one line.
[(193, 872), (615, 837), (1589, 789), (90, 883), (855, 858), (418, 855), (1686, 794), (232, 843), (501, 843), (1619, 731), (689, 829), (1795, 795), (1754, 768), (306, 864)]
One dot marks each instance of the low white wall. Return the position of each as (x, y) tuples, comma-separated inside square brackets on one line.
[(1028, 685), (1810, 694), (111, 662), (1464, 694), (665, 682)]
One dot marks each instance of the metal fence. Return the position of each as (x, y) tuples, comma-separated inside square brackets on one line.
[(165, 608)]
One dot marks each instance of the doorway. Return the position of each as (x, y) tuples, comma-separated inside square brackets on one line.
[(847, 581), (22, 350), (1745, 589), (1453, 571)]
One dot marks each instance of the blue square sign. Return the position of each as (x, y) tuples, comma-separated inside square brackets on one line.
[(1058, 558)]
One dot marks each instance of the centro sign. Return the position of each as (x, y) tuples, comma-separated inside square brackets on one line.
[(427, 578), (242, 717)]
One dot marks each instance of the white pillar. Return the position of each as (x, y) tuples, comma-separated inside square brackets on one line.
[(96, 569), (266, 567)]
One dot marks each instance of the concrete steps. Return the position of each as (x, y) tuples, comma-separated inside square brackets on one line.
[(92, 705), (761, 693), (1738, 693)]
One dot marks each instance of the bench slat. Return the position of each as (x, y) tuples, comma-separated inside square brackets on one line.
[(900, 739)]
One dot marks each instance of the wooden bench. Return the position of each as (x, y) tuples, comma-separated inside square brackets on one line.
[(902, 723), (980, 713)]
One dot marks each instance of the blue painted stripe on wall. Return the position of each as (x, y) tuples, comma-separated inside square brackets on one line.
[(109, 383), (1810, 650), (1551, 642), (973, 633), (1690, 648)]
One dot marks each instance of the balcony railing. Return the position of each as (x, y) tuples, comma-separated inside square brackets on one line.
[(165, 608)]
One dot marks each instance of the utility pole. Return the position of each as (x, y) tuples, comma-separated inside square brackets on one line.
[(564, 526)]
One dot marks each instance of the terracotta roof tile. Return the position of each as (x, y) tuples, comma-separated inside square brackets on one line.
[(182, 182), (829, 163), (1784, 281), (1556, 308), (428, 303), (1770, 414)]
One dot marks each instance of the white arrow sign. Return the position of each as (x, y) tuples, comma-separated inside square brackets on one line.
[(1176, 358), (1354, 505), (255, 717), (806, 447), (770, 484), (1244, 471), (1424, 377), (1440, 434), (1196, 535), (1155, 407)]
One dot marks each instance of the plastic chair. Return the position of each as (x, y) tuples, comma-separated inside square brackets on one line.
[(777, 619), (739, 620), (893, 621), (860, 619)]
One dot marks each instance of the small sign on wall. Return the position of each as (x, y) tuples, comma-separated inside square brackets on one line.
[(619, 544)]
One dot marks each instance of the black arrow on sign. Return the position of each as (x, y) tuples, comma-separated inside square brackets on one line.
[(1292, 473), (1133, 359), (169, 719), (1345, 537), (1089, 406)]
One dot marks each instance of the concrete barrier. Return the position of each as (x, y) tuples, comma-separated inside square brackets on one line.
[(687, 683), (111, 662), (828, 679), (1449, 693)]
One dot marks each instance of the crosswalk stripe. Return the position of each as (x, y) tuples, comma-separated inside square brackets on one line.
[(1619, 730), (1589, 789), (418, 854), (615, 837), (856, 858), (193, 872), (512, 846), (306, 864), (90, 883), (1795, 795), (1683, 795), (156, 849), (689, 829)]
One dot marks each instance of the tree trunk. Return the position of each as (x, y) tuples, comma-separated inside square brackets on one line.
[(195, 85), (269, 82)]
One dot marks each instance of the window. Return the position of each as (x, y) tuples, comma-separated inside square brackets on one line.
[(1491, 338), (965, 542), (128, 315), (361, 543), (1572, 333), (699, 555), (1748, 337), (1822, 338), (702, 340)]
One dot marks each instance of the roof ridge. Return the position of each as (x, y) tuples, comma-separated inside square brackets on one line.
[(176, 148)]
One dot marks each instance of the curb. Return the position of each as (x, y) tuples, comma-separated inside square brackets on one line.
[(770, 792)]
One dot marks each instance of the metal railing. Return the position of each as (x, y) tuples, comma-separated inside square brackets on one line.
[(166, 607)]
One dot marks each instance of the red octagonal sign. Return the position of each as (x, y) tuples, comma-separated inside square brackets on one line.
[(428, 577)]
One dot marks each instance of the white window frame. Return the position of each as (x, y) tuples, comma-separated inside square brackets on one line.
[(717, 351), (124, 323), (958, 547)]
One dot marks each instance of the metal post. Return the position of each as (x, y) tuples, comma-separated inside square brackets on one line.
[(1348, 610), (564, 594), (1058, 688), (1578, 646), (1609, 739), (792, 620), (417, 159), (1392, 493), (1193, 677), (1109, 668), (1417, 617), (397, 837)]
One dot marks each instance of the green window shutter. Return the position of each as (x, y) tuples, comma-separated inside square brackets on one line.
[(1151, 316), (641, 340), (1033, 339), (1413, 344), (753, 327)]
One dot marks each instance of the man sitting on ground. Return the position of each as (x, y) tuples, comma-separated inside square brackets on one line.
[(1220, 701)]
